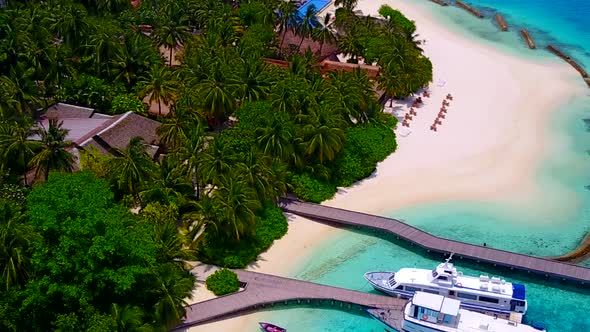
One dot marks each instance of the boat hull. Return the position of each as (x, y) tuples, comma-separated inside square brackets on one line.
[(374, 278), (268, 327)]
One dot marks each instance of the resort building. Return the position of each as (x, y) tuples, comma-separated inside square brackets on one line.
[(105, 132)]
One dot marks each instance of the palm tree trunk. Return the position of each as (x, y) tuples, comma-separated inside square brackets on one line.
[(300, 43), (171, 56), (282, 40), (390, 101), (159, 107)]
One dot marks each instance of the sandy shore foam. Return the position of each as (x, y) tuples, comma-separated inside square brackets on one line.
[(487, 148)]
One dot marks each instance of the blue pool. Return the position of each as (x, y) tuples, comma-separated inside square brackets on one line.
[(319, 5)]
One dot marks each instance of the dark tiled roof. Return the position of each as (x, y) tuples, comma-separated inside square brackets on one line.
[(67, 111), (130, 125), (121, 130)]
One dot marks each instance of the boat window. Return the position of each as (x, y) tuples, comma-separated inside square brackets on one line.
[(488, 299), (412, 289), (467, 296), (443, 278), (452, 293), (448, 319), (434, 274), (426, 290)]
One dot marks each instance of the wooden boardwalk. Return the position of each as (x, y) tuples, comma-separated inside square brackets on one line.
[(264, 290), (542, 266)]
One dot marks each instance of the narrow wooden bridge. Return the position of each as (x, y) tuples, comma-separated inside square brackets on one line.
[(264, 291), (542, 266)]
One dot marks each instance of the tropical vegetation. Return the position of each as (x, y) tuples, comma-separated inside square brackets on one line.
[(237, 133), (223, 282), (73, 259)]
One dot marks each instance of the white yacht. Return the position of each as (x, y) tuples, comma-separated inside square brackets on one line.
[(492, 296), (435, 313)]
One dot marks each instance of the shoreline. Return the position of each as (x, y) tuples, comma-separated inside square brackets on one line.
[(446, 165)]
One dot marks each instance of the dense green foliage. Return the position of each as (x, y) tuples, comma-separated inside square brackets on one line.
[(237, 135), (89, 91), (270, 225), (127, 103), (84, 259), (223, 282)]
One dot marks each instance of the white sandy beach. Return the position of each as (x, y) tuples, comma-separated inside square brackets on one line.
[(487, 148)]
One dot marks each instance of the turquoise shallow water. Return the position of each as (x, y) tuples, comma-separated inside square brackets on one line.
[(558, 222)]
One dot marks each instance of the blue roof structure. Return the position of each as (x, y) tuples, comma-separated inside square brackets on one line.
[(319, 5), (518, 291)]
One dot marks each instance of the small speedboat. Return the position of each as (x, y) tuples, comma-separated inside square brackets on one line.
[(268, 327)]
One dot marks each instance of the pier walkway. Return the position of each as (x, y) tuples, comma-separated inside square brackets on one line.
[(265, 290), (542, 266)]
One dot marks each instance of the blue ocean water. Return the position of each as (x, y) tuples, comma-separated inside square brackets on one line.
[(556, 224)]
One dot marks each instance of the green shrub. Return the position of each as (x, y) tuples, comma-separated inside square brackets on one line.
[(223, 282), (310, 189), (124, 103), (365, 146), (399, 20), (271, 225)]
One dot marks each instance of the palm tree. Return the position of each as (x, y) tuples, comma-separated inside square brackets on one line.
[(255, 171), (174, 131), (215, 163), (191, 155), (128, 318), (110, 6), (69, 23), (20, 85), (390, 82), (346, 4), (288, 17), (253, 81), (322, 138), (349, 44), (133, 168), (171, 34), (324, 35), (101, 46), (277, 139), (16, 238), (308, 23), (17, 146), (175, 286), (216, 92), (54, 154), (238, 203), (133, 59), (160, 85), (170, 187)]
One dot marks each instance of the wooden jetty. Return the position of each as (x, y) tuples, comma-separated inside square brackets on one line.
[(542, 266), (528, 39), (501, 22), (265, 291), (440, 2), (469, 8), (572, 63)]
